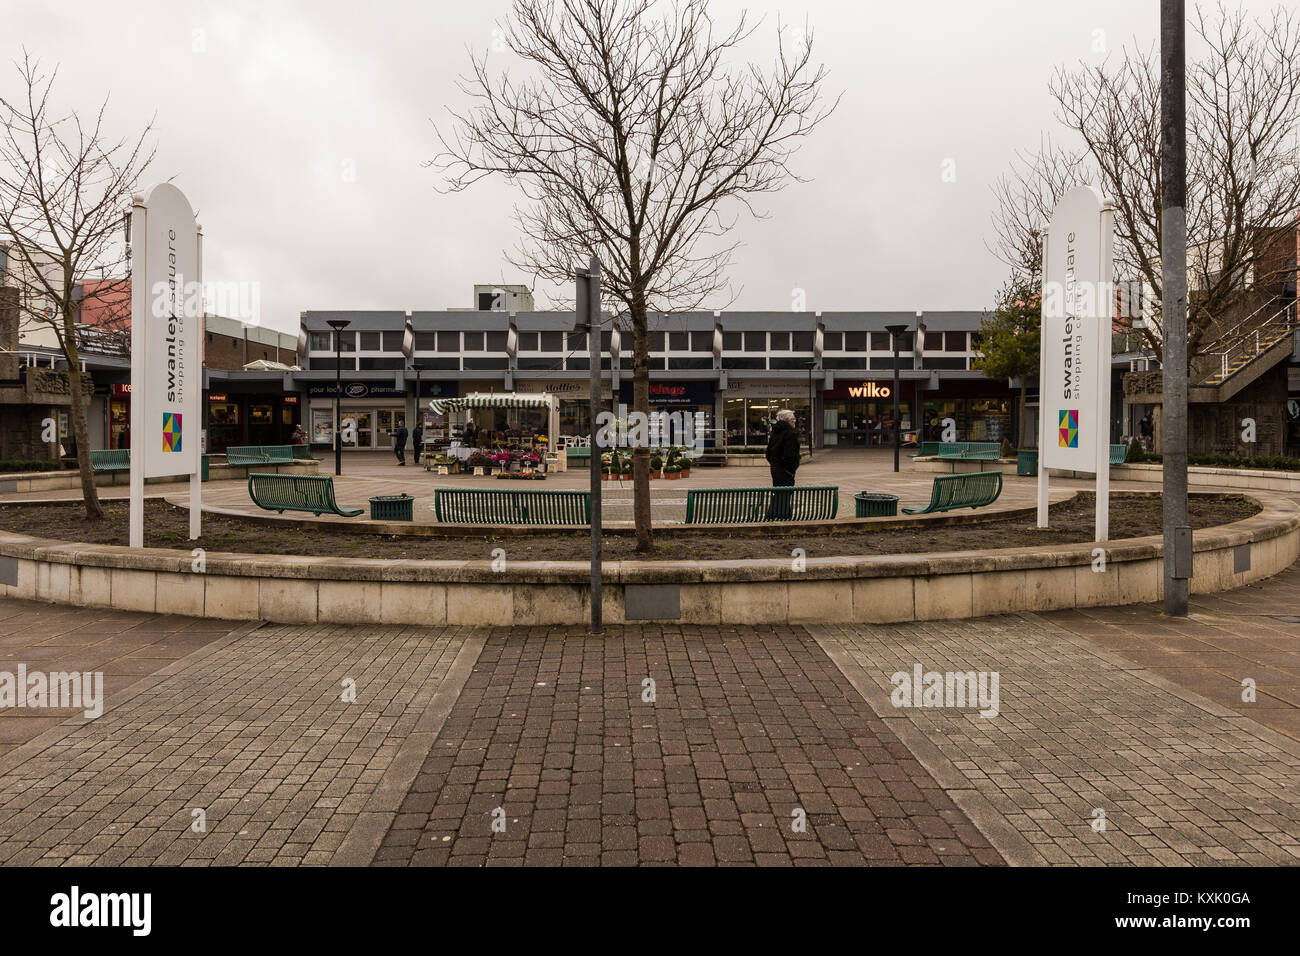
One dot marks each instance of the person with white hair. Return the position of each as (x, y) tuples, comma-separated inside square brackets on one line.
[(783, 459)]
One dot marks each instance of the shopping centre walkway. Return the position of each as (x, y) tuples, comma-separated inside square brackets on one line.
[(1116, 739)]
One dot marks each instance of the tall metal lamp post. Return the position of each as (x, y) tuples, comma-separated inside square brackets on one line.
[(811, 366), (894, 332), (338, 325)]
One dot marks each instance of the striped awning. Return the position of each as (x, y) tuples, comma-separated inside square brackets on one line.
[(440, 406)]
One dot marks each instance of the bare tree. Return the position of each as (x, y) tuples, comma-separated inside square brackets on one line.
[(634, 140), (65, 186), (1243, 164)]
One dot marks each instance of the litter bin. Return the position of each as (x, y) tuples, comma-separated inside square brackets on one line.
[(392, 508), (876, 506), (206, 460), (1027, 463)]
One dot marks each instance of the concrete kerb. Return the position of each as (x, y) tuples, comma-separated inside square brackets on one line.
[(888, 587)]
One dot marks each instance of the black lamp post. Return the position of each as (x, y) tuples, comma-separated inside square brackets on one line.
[(894, 332), (338, 325), (811, 366)]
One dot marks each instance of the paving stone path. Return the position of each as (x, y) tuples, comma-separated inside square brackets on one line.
[(744, 733)]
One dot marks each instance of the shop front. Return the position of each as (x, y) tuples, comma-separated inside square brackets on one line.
[(119, 416), (860, 414), (573, 403), (257, 418), (375, 408), (690, 397), (980, 410), (749, 408)]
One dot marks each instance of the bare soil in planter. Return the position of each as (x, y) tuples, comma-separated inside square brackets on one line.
[(1131, 516)]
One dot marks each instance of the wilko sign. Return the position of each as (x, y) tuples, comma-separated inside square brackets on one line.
[(870, 390), (166, 348), (1074, 361)]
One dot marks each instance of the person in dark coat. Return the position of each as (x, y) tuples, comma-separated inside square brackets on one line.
[(783, 459), (399, 441), (417, 441)]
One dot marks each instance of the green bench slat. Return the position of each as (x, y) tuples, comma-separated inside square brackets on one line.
[(980, 451), (751, 505), (110, 459), (1118, 454), (314, 493), (972, 490), (260, 455), (511, 506), (927, 449)]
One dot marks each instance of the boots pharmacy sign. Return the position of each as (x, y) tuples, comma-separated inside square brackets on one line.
[(1075, 354), (166, 332)]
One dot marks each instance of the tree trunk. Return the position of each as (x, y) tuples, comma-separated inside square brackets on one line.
[(641, 404), (81, 431)]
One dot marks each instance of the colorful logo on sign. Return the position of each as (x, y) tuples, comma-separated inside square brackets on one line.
[(171, 431), (1069, 428)]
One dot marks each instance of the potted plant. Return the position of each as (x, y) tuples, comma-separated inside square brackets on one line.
[(656, 467), (672, 472), (685, 465), (447, 464), (481, 462), (606, 471)]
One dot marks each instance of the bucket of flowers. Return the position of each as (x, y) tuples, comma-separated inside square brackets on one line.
[(481, 462), (447, 464)]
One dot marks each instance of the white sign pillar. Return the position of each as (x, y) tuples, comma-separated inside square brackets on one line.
[(166, 349), (1074, 363)]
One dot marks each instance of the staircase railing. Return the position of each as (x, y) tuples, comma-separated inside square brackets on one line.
[(1248, 342)]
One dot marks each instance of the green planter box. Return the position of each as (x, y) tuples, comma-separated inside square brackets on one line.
[(1027, 463), (392, 508), (876, 506)]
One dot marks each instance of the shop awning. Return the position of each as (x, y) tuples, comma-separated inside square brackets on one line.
[(441, 406)]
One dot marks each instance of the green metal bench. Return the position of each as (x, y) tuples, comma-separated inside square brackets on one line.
[(111, 461), (314, 493), (980, 451), (1118, 454), (973, 490), (301, 452), (511, 506), (927, 449), (243, 455), (754, 505)]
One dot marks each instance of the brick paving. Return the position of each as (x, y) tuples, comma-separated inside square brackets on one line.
[(746, 728), (253, 731), (1181, 780), (1250, 633)]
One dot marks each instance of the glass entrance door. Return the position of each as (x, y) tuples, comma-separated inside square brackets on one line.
[(365, 428)]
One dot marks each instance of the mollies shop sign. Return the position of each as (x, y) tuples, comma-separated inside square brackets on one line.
[(672, 393)]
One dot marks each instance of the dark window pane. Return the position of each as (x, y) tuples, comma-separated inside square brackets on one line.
[(448, 341), (690, 363), (755, 341), (485, 364), (855, 341), (552, 342), (701, 341), (473, 341), (733, 341), (496, 341), (440, 364), (954, 341), (780, 341), (348, 364), (801, 341), (679, 342), (943, 361), (577, 342), (316, 342), (905, 342), (576, 364), (833, 342), (887, 362), (538, 364), (426, 341), (605, 338), (844, 362), (788, 363), (734, 361), (529, 341), (381, 363), (880, 341), (656, 341), (369, 341), (347, 341)]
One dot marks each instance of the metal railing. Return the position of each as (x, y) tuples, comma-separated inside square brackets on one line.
[(1248, 343)]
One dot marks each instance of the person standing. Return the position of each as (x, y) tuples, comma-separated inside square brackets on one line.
[(783, 460), (399, 441), (417, 441)]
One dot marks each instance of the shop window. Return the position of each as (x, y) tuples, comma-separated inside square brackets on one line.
[(223, 413), (260, 415), (288, 414), (755, 341)]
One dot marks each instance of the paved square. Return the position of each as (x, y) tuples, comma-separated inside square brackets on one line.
[(554, 737)]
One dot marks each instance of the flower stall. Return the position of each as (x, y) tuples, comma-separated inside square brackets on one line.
[(513, 427)]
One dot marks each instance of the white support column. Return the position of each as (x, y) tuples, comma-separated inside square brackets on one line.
[(1106, 306), (1043, 423), (196, 478), (139, 309)]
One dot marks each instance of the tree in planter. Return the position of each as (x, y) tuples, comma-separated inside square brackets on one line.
[(65, 187), (635, 140), (1010, 339)]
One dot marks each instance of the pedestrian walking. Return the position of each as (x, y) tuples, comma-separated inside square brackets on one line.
[(399, 441), (783, 460)]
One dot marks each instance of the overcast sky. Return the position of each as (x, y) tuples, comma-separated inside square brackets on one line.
[(298, 130)]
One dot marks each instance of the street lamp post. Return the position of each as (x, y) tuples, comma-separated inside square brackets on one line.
[(338, 325), (811, 366), (894, 332)]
